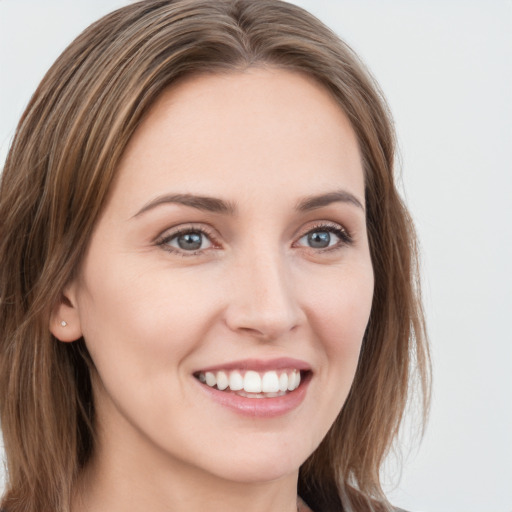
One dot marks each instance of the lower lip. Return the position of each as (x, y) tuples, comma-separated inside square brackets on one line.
[(259, 407)]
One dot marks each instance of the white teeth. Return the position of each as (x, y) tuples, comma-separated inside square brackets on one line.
[(222, 381), (283, 382), (270, 382), (265, 385), (252, 382), (236, 381), (293, 380), (210, 379)]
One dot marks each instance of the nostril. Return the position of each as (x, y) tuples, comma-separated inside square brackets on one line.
[(261, 326), (262, 303)]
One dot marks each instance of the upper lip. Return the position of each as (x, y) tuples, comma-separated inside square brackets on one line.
[(261, 365)]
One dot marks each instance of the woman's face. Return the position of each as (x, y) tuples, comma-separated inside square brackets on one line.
[(231, 254)]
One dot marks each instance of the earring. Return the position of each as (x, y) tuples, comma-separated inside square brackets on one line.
[(64, 323)]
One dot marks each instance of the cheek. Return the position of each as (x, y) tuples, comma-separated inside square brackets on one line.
[(339, 313), (340, 308), (145, 319)]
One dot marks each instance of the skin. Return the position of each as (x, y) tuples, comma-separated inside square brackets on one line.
[(152, 314)]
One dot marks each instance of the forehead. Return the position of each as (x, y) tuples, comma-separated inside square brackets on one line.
[(252, 129)]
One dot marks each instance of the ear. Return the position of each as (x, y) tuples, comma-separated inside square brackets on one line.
[(65, 319)]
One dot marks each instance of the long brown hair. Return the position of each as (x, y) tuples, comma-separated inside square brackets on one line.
[(58, 173)]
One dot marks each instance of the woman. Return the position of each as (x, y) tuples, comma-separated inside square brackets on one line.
[(208, 282)]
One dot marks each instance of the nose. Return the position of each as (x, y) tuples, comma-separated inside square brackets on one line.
[(263, 301)]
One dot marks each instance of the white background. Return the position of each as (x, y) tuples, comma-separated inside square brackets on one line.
[(446, 69)]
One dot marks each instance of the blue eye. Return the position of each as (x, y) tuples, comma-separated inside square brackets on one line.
[(188, 241), (319, 239), (325, 237)]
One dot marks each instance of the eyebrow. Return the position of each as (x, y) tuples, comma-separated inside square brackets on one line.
[(321, 200), (204, 203), (216, 205)]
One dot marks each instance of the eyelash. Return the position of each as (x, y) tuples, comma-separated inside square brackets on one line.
[(163, 241), (345, 239)]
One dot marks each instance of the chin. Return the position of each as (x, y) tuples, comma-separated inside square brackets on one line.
[(261, 460), (250, 472)]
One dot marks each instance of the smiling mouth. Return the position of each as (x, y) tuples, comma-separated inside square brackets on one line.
[(253, 384)]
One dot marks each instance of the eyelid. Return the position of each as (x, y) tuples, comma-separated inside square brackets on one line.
[(170, 233), (332, 227)]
